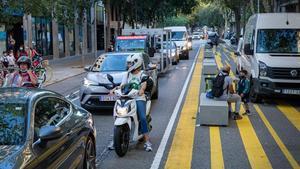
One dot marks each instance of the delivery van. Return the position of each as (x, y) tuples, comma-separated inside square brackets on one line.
[(271, 54), (180, 37)]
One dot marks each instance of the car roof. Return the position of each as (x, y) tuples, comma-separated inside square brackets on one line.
[(123, 53), (24, 93)]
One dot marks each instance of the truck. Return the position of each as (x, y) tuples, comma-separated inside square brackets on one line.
[(271, 54), (151, 41)]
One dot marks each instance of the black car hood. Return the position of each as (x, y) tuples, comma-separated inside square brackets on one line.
[(8, 156)]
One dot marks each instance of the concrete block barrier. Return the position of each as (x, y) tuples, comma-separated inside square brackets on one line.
[(212, 112)]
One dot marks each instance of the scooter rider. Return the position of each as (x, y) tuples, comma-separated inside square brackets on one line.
[(134, 76), (23, 75)]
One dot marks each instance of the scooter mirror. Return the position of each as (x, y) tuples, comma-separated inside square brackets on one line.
[(110, 78)]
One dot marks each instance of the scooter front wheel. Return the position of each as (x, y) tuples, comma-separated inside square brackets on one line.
[(121, 139)]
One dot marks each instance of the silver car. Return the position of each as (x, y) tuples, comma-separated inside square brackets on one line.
[(94, 93)]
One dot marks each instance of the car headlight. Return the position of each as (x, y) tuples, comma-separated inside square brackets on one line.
[(87, 82), (184, 47), (123, 111), (173, 54), (262, 69)]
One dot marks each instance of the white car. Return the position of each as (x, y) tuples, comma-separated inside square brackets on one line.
[(196, 35)]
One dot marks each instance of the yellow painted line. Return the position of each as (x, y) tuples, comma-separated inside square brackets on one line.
[(216, 154), (277, 139), (292, 114), (181, 151), (233, 57), (255, 152)]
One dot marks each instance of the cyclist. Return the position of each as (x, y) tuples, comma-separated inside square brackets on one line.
[(23, 76)]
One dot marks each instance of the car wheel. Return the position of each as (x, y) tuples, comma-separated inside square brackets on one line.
[(155, 95), (90, 155), (121, 139)]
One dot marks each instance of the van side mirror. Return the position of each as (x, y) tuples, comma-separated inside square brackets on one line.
[(248, 50)]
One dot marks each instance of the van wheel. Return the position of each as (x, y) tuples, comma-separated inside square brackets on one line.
[(254, 97)]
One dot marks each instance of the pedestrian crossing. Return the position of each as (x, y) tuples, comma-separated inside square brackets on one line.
[(268, 139)]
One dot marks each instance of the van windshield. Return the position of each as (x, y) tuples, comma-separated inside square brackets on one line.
[(178, 36), (278, 41)]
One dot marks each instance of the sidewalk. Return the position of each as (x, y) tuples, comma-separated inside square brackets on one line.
[(68, 67)]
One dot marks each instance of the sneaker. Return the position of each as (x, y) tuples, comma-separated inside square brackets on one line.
[(148, 146), (237, 116), (111, 146)]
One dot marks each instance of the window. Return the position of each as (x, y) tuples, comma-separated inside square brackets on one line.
[(278, 41), (50, 111), (42, 35)]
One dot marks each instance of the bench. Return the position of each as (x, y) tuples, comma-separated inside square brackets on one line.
[(213, 112), (209, 67)]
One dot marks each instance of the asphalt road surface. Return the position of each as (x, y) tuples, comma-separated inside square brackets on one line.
[(269, 138)]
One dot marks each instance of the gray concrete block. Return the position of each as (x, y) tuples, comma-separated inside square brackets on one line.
[(212, 112), (209, 54), (209, 67)]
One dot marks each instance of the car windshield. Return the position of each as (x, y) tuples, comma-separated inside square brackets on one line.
[(130, 45), (278, 41), (12, 118), (178, 36), (116, 62)]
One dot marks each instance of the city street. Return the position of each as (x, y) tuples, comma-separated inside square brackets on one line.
[(269, 138)]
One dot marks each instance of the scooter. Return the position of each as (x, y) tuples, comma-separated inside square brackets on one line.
[(126, 123)]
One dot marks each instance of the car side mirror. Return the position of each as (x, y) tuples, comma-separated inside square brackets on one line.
[(110, 78), (87, 68), (248, 50), (47, 133)]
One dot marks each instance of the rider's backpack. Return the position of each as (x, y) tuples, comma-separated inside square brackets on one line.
[(218, 85)]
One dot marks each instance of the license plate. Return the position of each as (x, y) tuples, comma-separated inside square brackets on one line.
[(290, 91), (107, 98)]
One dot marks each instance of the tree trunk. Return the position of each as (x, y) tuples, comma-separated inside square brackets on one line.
[(237, 13), (108, 18), (252, 7), (267, 6)]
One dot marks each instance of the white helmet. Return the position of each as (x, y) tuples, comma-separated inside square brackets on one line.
[(135, 61)]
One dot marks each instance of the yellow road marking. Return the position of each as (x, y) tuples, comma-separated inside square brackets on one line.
[(233, 57), (255, 152), (216, 154), (291, 113), (277, 139), (181, 152)]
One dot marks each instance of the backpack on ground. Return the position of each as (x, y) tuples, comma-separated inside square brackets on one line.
[(218, 85)]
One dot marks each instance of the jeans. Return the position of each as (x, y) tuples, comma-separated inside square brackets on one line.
[(141, 111), (232, 98)]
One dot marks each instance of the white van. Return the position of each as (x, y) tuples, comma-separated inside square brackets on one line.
[(180, 37), (271, 54)]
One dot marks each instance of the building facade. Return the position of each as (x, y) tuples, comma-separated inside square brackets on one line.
[(55, 40), (286, 5)]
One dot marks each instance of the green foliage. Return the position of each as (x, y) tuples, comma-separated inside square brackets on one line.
[(175, 21), (210, 15)]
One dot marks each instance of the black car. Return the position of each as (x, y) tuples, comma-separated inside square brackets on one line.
[(42, 129)]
